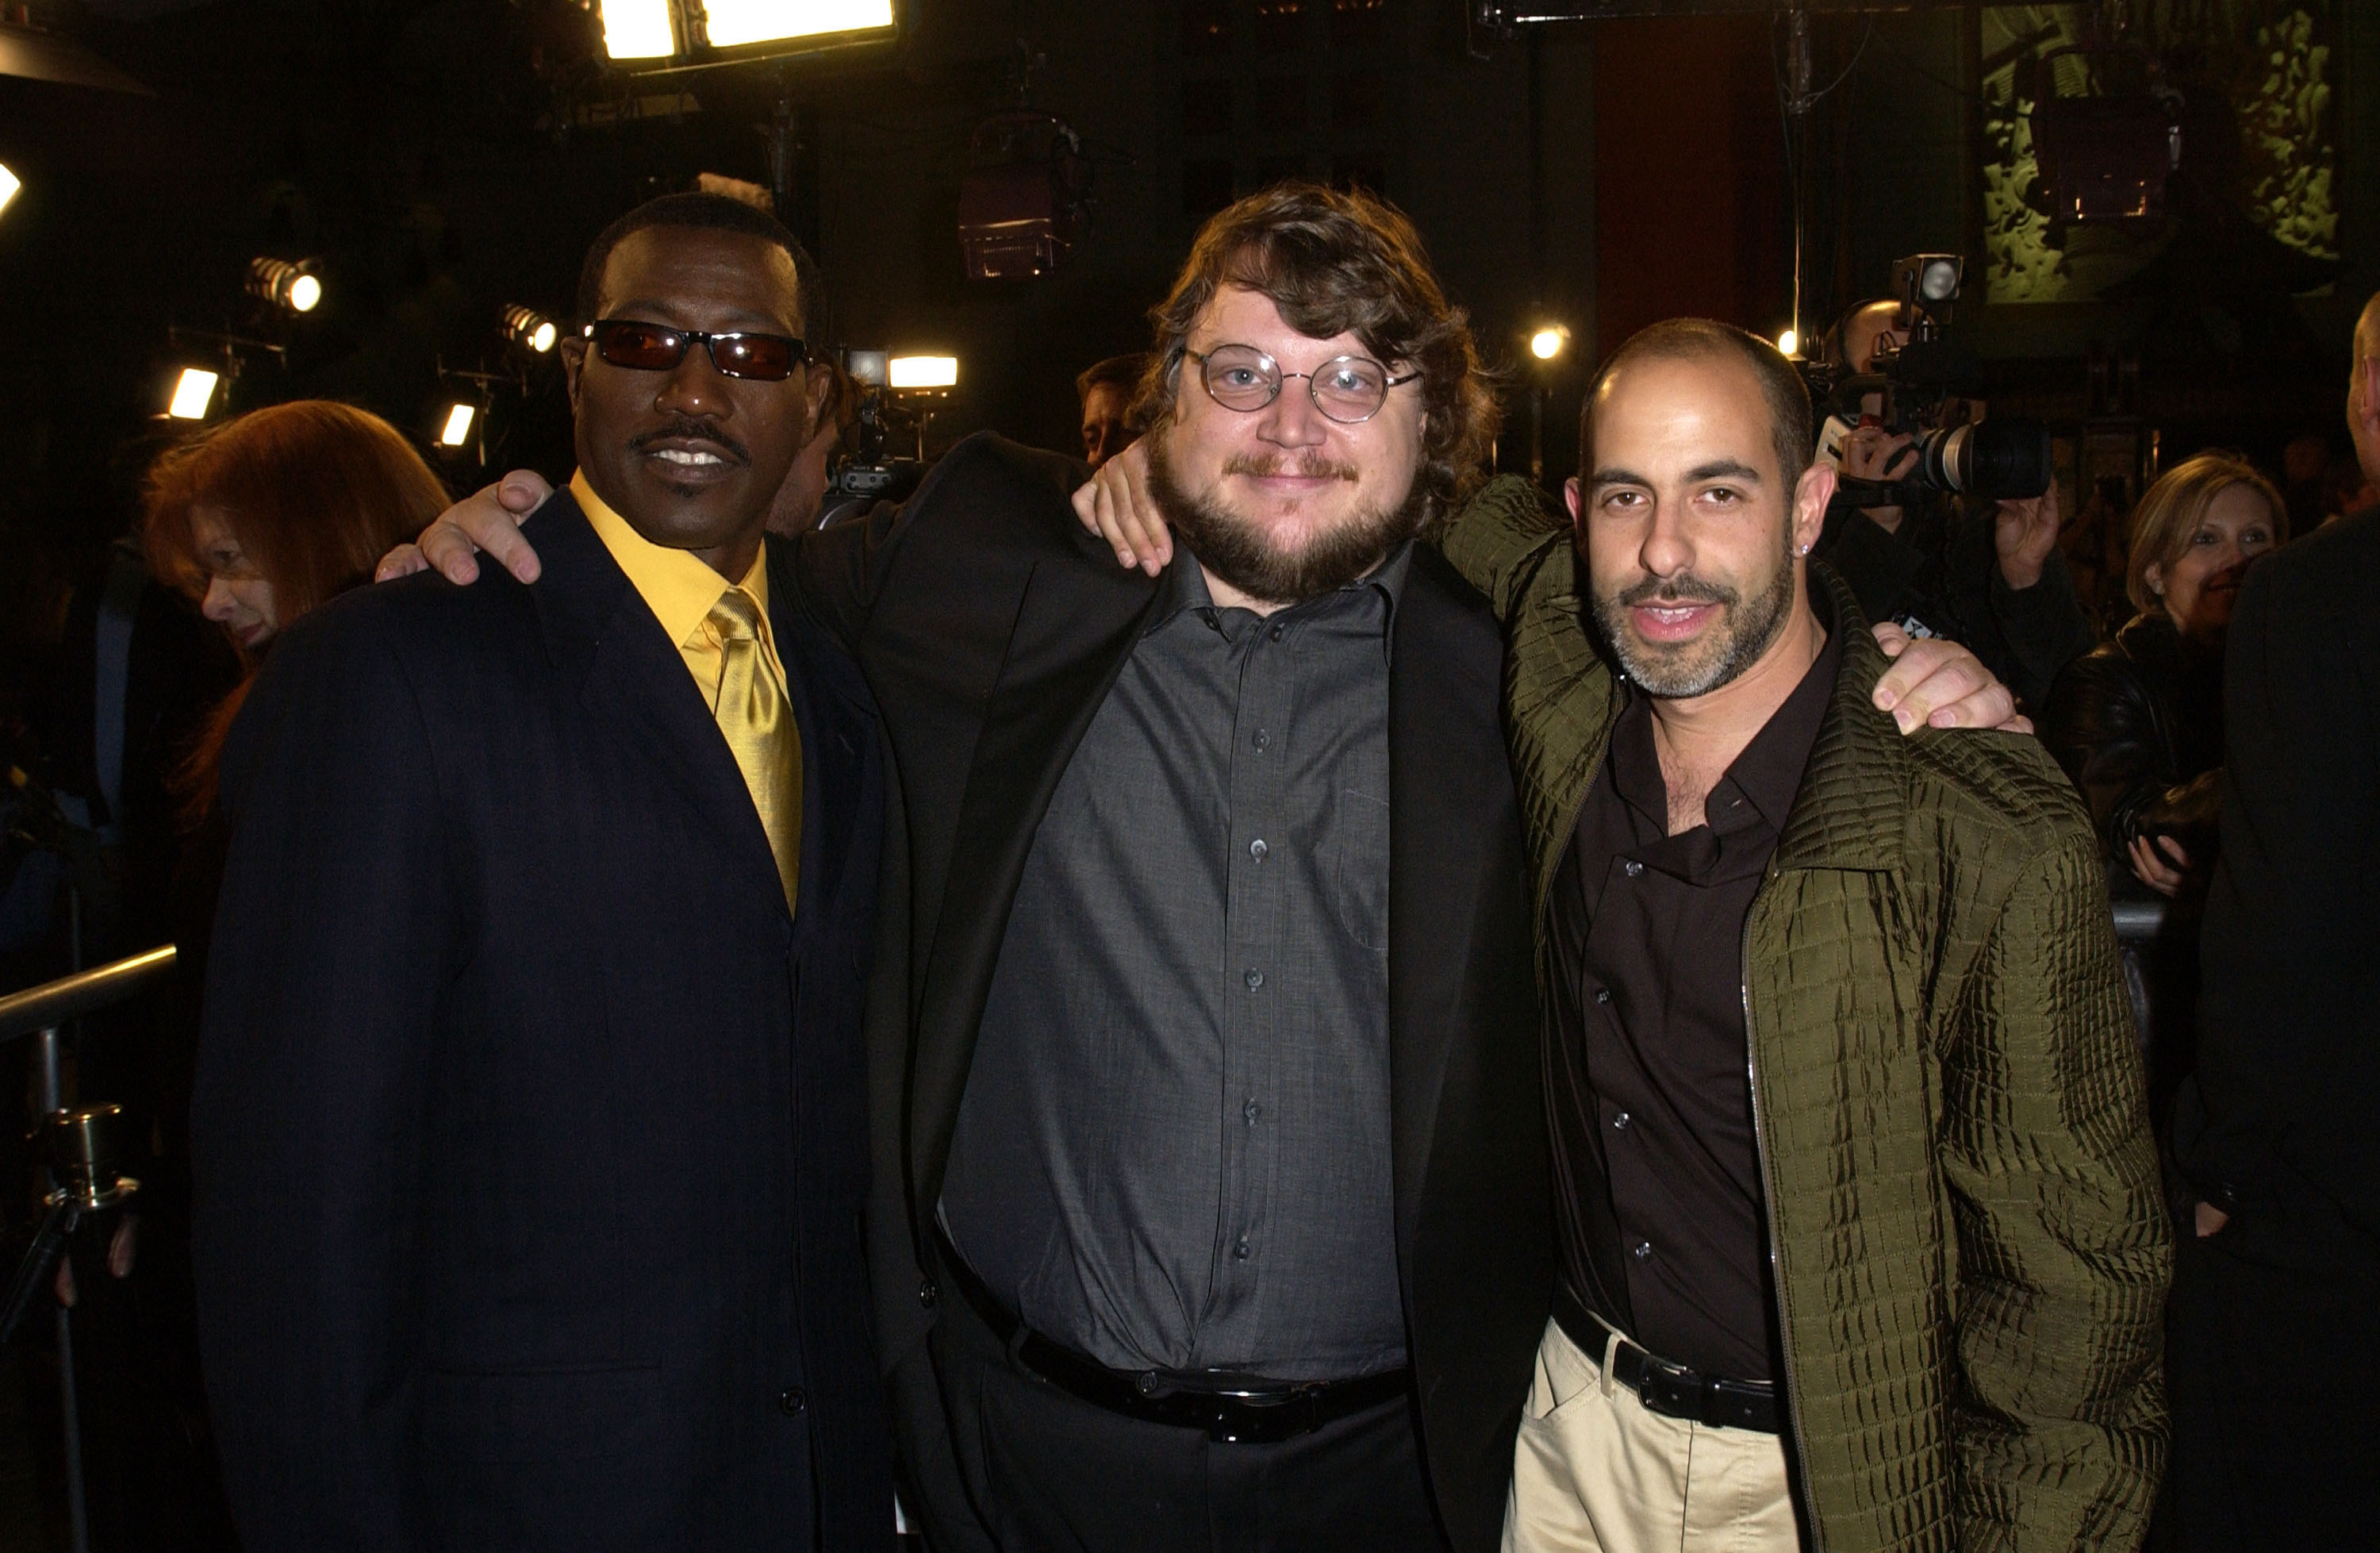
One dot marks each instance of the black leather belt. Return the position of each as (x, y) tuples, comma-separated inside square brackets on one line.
[(1673, 1390), (1258, 1413)]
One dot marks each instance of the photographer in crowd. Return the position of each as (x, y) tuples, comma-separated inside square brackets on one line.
[(1993, 581)]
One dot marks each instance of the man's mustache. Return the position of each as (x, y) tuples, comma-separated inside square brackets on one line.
[(1685, 588), (1306, 466), (686, 429)]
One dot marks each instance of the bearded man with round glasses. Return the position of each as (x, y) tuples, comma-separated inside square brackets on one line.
[(1212, 1202)]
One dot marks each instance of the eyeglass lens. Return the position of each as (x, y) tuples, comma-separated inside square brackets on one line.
[(1346, 388), (651, 348)]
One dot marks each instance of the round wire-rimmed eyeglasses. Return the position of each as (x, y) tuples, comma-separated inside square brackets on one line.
[(1348, 389)]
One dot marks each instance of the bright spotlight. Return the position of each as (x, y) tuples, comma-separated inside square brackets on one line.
[(8, 186), (637, 29), (193, 392), (1789, 342), (291, 288), (458, 430), (1548, 343), (733, 22), (530, 329), (922, 371)]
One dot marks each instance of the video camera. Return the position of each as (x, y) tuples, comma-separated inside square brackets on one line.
[(888, 441), (1993, 460)]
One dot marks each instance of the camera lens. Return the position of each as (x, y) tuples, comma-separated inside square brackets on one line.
[(1994, 459)]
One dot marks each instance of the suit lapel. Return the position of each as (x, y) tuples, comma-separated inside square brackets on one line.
[(1076, 625), (634, 686), (1447, 772)]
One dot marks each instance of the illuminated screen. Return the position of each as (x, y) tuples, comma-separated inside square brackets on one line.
[(637, 29), (731, 23), (924, 372), (191, 395)]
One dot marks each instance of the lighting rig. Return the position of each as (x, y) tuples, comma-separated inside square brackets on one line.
[(198, 390), (468, 399), (207, 362)]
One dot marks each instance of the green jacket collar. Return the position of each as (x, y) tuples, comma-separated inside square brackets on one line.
[(1850, 811)]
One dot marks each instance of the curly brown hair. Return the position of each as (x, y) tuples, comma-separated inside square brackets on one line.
[(1337, 262)]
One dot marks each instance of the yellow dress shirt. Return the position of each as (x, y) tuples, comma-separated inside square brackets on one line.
[(682, 591)]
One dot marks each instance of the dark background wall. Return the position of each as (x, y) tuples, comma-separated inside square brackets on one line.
[(439, 156)]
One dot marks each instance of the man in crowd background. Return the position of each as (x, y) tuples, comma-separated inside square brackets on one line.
[(2274, 1342), (1107, 389)]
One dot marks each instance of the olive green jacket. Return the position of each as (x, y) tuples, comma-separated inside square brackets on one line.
[(1971, 1259)]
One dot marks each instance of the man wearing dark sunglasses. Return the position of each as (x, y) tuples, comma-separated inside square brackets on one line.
[(530, 1123)]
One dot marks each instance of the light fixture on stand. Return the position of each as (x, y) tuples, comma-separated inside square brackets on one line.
[(288, 288)]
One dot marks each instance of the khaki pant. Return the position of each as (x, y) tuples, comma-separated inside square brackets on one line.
[(1596, 1472)]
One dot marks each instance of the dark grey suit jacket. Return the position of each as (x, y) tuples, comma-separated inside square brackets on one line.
[(990, 626)]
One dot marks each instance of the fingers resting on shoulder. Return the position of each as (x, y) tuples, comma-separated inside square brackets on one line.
[(1116, 505), (1935, 683)]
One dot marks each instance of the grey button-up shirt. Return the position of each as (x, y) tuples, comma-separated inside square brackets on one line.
[(1173, 1149)]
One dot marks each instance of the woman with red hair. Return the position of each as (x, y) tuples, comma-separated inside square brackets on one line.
[(269, 515)]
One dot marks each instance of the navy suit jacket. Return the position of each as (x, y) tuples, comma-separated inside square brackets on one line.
[(530, 1131)]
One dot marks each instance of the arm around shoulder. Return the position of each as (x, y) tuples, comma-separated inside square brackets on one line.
[(1501, 538)]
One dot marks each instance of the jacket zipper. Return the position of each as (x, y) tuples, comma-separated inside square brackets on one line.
[(1769, 1185)]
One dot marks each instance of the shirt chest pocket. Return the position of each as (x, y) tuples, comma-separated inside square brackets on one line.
[(1358, 863)]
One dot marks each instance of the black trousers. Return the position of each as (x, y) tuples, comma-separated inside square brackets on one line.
[(2272, 1362), (1049, 1472)]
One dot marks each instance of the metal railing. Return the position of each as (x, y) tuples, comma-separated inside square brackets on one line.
[(39, 1012), (53, 1003)]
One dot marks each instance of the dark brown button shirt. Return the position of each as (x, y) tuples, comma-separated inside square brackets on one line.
[(1657, 1173)]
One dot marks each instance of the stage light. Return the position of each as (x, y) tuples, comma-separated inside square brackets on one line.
[(193, 392), (458, 430), (922, 371), (1789, 342), (637, 29), (528, 329), (8, 186), (733, 22), (288, 286), (1547, 342)]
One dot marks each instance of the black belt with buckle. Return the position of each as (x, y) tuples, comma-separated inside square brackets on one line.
[(1258, 1413), (1673, 1390)]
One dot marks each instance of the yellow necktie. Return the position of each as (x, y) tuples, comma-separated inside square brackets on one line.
[(759, 722)]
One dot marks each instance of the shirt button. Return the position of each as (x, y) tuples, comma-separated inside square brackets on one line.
[(1642, 1251), (793, 1401), (1254, 979), (1620, 1123), (1252, 1110), (1263, 738), (1256, 849), (1602, 994), (1632, 868), (1240, 1252), (1276, 634)]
